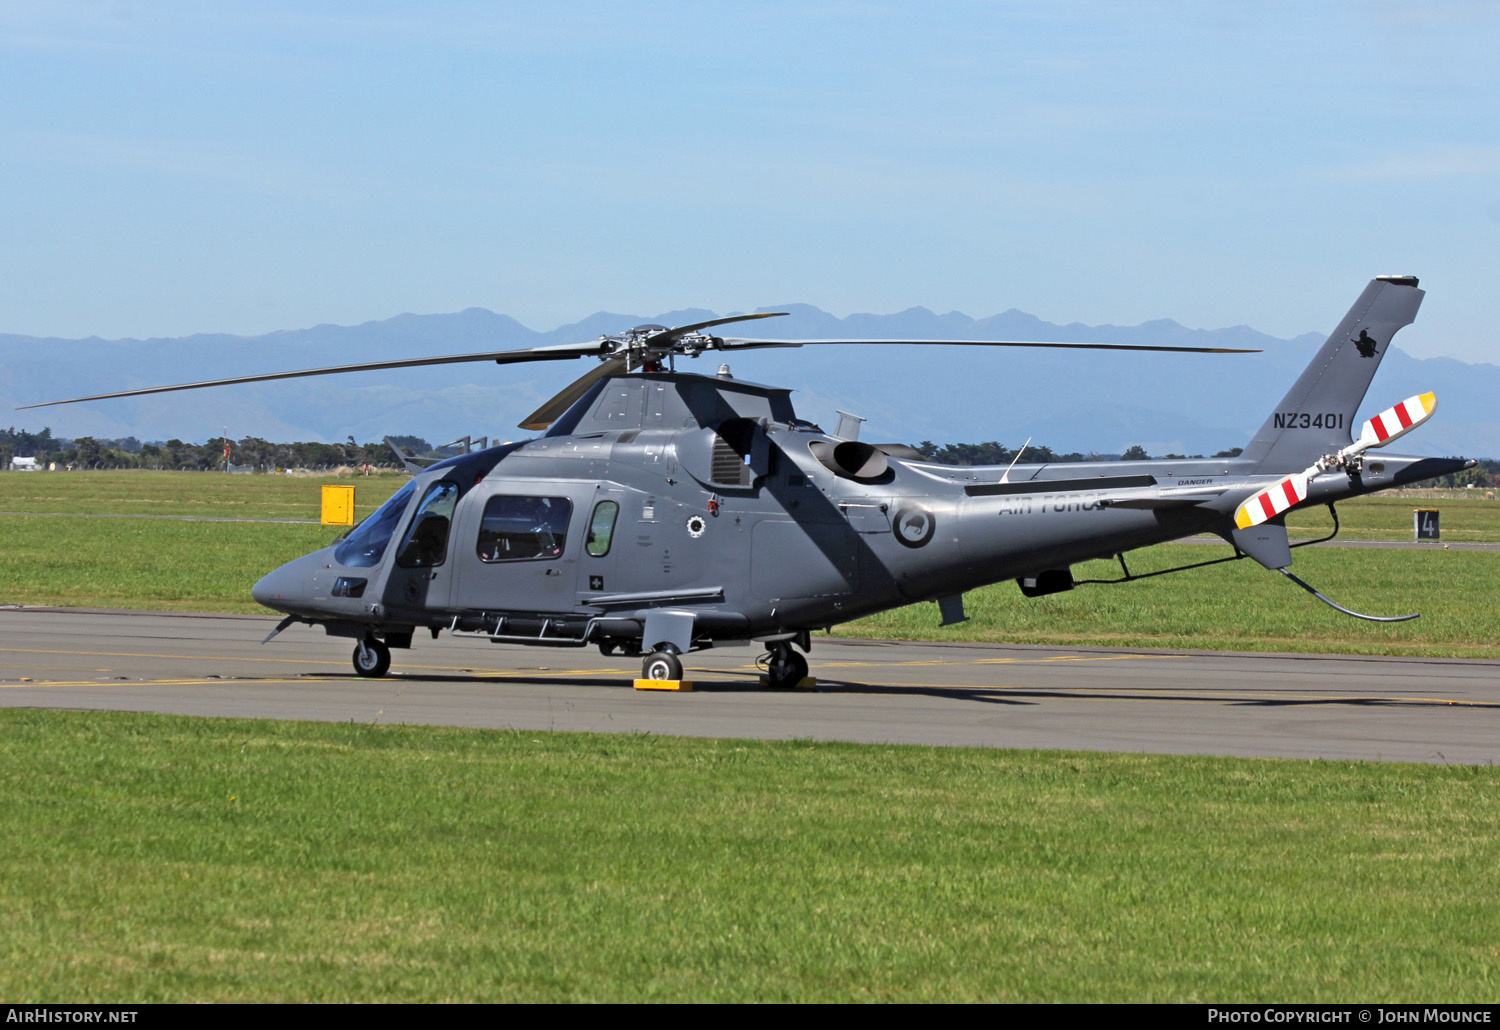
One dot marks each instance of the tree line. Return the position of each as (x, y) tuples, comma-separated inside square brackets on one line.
[(995, 453), (252, 452), (263, 455)]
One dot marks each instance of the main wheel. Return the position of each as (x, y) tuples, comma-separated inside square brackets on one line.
[(786, 669), (661, 665), (371, 658)]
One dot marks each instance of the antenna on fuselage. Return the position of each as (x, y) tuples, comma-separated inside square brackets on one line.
[(1006, 478)]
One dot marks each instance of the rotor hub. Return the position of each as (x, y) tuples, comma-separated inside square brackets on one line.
[(648, 345)]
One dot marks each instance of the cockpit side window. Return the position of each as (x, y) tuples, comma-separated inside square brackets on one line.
[(601, 528), (426, 541), (365, 544), (523, 528)]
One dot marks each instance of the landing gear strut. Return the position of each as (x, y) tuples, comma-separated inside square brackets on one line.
[(371, 658), (785, 668)]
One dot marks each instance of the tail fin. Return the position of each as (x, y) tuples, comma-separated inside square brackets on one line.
[(1316, 416)]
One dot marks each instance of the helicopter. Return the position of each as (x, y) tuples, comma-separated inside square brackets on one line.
[(662, 512)]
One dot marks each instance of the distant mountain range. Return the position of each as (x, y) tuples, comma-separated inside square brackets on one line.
[(1083, 401)]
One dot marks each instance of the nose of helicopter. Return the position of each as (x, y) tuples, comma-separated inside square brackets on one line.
[(286, 589)]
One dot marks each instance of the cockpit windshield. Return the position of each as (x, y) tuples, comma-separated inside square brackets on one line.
[(364, 546)]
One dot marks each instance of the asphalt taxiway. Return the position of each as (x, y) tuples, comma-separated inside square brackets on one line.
[(987, 695)]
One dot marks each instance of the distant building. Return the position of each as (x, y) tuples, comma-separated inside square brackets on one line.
[(23, 465)]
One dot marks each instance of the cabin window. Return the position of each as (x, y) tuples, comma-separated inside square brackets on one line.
[(426, 540), (365, 544), (601, 528), (523, 528)]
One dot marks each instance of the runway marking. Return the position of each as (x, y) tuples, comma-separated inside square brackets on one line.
[(1076, 658), (868, 664), (1161, 695), (64, 668), (542, 673), (978, 693), (138, 654), (860, 664), (1166, 695), (189, 682)]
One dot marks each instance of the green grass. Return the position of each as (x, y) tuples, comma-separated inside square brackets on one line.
[(1467, 515), (210, 566), (155, 858), (145, 563), (157, 563), (214, 494), (1239, 606)]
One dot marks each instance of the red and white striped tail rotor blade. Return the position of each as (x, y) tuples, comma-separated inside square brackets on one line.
[(1396, 421), (1272, 501), (1391, 423)]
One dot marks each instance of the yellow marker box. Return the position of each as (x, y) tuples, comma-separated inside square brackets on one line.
[(682, 685), (338, 506)]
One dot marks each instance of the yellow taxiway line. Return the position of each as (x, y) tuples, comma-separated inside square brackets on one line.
[(1165, 695)]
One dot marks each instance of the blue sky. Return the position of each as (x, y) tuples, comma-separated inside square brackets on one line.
[(171, 167)]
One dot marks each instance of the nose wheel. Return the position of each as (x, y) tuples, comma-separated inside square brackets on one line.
[(661, 665), (785, 668), (371, 658)]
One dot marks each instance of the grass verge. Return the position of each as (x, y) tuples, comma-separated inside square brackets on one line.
[(145, 492), (1465, 518), (145, 563), (156, 858), (209, 566), (1239, 606)]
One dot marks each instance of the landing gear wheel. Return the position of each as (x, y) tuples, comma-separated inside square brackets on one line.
[(785, 669), (661, 665), (371, 658)]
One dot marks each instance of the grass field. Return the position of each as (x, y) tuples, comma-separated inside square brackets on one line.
[(1239, 606), (210, 566), (164, 859), (157, 858), (139, 492), (1467, 515), (161, 563)]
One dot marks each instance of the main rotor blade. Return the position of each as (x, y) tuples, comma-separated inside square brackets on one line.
[(735, 343), (505, 357), (682, 330), (561, 401)]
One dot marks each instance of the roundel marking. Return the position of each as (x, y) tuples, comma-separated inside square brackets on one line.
[(696, 526), (915, 525)]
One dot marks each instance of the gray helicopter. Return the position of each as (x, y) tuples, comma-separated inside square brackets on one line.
[(662, 512)]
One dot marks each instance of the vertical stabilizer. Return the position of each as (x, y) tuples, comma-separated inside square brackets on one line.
[(1316, 417)]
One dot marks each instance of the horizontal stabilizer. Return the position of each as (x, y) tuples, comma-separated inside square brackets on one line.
[(1158, 502)]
